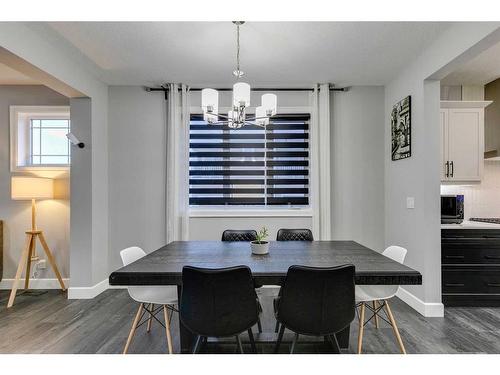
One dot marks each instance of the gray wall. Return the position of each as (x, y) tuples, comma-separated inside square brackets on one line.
[(357, 139), (52, 215), (418, 229), (81, 188), (136, 170)]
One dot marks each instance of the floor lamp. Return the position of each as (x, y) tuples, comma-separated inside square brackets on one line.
[(32, 188)]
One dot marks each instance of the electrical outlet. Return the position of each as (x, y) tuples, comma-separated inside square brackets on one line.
[(410, 202), (42, 264)]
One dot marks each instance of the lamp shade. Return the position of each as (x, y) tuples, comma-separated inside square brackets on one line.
[(210, 100), (26, 188), (270, 103), (241, 94)]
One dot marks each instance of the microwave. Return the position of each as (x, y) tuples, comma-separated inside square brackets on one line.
[(452, 209)]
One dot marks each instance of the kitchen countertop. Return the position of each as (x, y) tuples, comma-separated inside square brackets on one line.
[(466, 224)]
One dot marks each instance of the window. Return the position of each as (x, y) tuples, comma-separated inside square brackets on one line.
[(49, 144), (38, 138), (251, 165)]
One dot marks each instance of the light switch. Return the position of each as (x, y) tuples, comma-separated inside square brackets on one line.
[(410, 202)]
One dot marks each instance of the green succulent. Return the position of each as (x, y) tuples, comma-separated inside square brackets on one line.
[(262, 235)]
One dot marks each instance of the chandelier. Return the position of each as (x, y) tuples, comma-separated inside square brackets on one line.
[(236, 117)]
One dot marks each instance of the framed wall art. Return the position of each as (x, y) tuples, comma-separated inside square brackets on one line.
[(401, 129)]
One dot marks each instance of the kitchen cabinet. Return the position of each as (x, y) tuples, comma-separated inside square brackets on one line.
[(470, 264), (462, 140)]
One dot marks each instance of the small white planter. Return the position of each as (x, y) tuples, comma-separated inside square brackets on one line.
[(260, 248)]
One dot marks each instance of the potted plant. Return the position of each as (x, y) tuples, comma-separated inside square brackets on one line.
[(259, 246)]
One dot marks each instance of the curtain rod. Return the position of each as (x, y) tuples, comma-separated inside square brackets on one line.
[(166, 89)]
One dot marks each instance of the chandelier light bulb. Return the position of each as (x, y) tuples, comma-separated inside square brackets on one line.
[(241, 94), (270, 104), (230, 119), (261, 112)]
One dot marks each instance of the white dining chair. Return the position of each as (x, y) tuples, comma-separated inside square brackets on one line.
[(149, 296), (375, 298)]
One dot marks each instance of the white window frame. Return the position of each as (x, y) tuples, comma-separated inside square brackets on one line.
[(20, 118), (269, 211)]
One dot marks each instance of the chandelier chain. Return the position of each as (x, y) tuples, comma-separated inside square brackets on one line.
[(238, 50)]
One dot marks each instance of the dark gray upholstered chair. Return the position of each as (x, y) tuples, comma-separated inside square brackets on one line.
[(316, 302), (218, 303), (242, 235), (239, 235), (294, 235)]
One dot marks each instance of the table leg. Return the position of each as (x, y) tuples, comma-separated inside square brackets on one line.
[(343, 337), (186, 338)]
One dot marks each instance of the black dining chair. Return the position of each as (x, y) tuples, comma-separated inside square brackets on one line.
[(294, 235), (316, 302), (243, 235), (235, 235), (218, 303)]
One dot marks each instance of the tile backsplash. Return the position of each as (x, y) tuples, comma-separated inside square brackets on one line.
[(482, 200)]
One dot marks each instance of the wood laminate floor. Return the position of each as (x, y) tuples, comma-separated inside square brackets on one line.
[(50, 323)]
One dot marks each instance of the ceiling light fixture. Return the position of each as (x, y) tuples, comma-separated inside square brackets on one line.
[(236, 117)]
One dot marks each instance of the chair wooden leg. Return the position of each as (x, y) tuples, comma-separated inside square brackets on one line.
[(361, 326), (252, 341), (132, 330), (395, 328), (259, 325), (167, 330), (277, 327), (280, 337), (20, 268), (375, 313), (294, 342), (240, 346), (150, 320)]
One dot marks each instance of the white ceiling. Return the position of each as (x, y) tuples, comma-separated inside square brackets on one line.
[(10, 76), (481, 70), (272, 53)]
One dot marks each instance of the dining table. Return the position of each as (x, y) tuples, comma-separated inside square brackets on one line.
[(164, 267)]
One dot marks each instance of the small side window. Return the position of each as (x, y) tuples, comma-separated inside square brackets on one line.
[(38, 138)]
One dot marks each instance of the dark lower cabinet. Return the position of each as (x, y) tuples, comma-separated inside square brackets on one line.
[(470, 261)]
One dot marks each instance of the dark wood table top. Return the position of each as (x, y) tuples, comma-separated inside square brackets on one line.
[(164, 266)]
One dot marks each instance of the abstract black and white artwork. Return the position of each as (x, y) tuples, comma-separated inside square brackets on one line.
[(401, 129)]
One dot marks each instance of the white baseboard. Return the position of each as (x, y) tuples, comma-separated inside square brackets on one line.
[(427, 309), (34, 284), (73, 292), (88, 292)]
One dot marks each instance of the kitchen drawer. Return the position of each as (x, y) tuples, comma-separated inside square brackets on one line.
[(469, 233), (485, 280), (483, 252)]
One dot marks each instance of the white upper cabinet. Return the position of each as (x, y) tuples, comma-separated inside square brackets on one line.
[(462, 140)]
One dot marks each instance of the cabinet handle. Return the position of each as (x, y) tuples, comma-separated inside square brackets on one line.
[(447, 174), (491, 257), (452, 168), (454, 284), (454, 256), (493, 284)]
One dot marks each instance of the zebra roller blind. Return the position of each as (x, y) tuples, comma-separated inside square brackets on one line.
[(251, 165)]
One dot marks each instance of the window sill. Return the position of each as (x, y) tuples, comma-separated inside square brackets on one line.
[(33, 168), (249, 212)]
